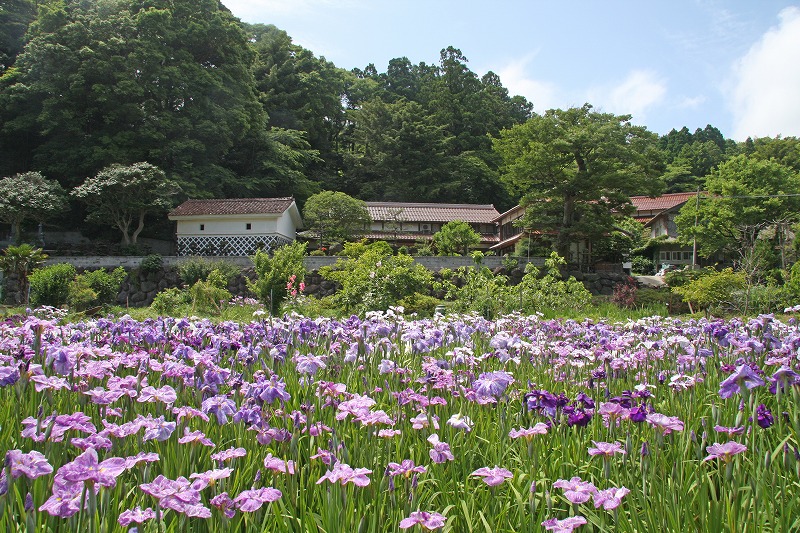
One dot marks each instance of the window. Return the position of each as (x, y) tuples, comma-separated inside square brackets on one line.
[(202, 227), (248, 226), (676, 256), (664, 256)]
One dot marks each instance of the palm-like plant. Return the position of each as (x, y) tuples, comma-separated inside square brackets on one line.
[(19, 261)]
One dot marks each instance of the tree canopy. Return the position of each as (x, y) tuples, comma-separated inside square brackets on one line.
[(123, 195), (576, 169), (456, 238), (335, 216), (743, 195), (29, 196)]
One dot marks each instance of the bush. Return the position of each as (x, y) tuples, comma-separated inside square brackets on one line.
[(209, 295), (643, 265), (81, 296), (169, 301), (50, 285), (477, 289), (713, 291), (684, 276), (625, 294), (105, 284), (198, 268), (274, 271), (374, 281), (551, 292), (421, 304), (151, 263)]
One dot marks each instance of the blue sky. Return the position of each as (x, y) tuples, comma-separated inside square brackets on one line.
[(734, 64)]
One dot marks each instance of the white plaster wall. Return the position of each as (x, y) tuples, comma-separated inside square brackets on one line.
[(229, 226), (285, 227)]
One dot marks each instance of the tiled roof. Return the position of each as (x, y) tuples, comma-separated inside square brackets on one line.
[(660, 203), (422, 212), (399, 236), (232, 206)]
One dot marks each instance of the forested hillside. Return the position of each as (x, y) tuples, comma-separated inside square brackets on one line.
[(227, 109)]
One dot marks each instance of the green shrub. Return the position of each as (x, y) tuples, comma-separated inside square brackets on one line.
[(758, 299), (151, 263), (209, 295), (274, 271), (684, 276), (551, 292), (477, 289), (198, 268), (713, 291), (643, 265), (421, 304), (374, 281), (105, 284), (81, 295), (50, 285), (169, 301)]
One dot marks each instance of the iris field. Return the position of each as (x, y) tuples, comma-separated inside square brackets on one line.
[(385, 423)]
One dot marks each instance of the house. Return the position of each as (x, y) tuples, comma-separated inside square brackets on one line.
[(404, 223), (510, 233), (658, 216), (237, 226)]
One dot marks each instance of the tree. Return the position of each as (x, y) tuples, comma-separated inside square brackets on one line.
[(124, 195), (20, 261), (743, 193), (120, 81), (456, 238), (29, 196), (335, 216), (576, 170)]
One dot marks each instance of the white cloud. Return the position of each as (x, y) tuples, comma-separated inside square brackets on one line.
[(635, 95), (515, 78), (766, 82), (691, 102)]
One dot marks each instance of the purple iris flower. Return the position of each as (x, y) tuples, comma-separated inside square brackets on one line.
[(65, 500), (609, 499), (158, 429), (742, 378), (542, 401), (576, 490), (137, 515), (493, 383), (269, 391), (764, 416), (249, 501), (724, 451), (87, 467), (30, 465), (564, 526), (784, 378), (219, 406), (425, 520), (493, 476), (224, 503), (8, 375), (440, 451)]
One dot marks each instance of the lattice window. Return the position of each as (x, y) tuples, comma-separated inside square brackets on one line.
[(230, 245)]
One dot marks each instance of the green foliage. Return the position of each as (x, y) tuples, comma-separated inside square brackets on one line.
[(374, 281), (19, 261), (197, 269), (335, 216), (210, 294), (684, 276), (643, 265), (29, 196), (123, 195), (151, 263), (420, 304), (576, 169), (792, 287), (424, 248), (713, 290), (104, 284), (81, 296), (169, 301), (477, 289), (745, 196), (456, 238), (50, 285), (550, 291), (354, 250), (274, 271)]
